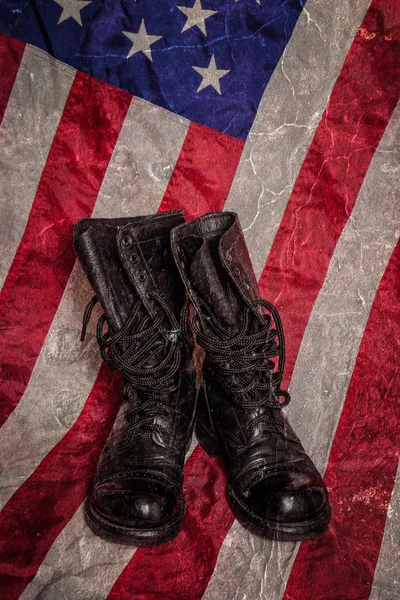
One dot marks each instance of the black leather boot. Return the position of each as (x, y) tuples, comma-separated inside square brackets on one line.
[(136, 495), (274, 488)]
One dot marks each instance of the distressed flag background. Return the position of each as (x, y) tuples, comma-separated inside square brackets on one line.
[(284, 111)]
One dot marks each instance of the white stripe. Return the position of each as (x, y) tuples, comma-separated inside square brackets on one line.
[(288, 115), (137, 176), (386, 583), (79, 564), (248, 567), (30, 121)]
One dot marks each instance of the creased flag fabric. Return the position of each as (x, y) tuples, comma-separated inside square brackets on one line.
[(284, 111)]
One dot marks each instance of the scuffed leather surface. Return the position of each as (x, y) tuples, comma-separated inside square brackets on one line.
[(218, 271), (138, 479)]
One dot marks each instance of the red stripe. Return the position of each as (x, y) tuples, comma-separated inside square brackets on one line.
[(11, 53), (326, 189), (37, 512), (204, 172), (67, 191), (362, 465), (35, 515)]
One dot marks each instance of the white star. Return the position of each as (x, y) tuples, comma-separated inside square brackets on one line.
[(141, 41), (71, 8), (211, 75), (196, 16)]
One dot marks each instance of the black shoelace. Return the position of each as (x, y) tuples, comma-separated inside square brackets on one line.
[(243, 361), (150, 382)]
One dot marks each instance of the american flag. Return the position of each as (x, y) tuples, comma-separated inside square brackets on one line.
[(283, 111)]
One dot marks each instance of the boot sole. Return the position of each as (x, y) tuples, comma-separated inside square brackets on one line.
[(266, 528), (131, 536)]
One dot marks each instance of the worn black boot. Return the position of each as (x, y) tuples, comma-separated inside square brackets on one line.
[(274, 488), (136, 494)]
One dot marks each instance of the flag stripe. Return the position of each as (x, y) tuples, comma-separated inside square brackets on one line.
[(66, 369), (36, 514), (331, 175), (67, 191), (11, 53), (34, 111), (204, 151), (103, 563), (325, 362), (287, 118), (143, 162), (366, 436), (387, 573)]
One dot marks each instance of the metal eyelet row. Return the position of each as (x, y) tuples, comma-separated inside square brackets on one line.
[(127, 241)]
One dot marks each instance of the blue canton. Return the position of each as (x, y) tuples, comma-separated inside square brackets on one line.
[(206, 60)]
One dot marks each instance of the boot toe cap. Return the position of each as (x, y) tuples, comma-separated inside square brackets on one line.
[(288, 498), (141, 506)]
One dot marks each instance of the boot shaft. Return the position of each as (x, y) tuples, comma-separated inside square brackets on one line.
[(136, 494), (244, 353), (126, 260), (215, 265)]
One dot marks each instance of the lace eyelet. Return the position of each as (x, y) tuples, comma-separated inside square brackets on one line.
[(142, 276), (126, 240), (134, 258)]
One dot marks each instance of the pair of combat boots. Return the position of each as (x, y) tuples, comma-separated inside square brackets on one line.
[(161, 281)]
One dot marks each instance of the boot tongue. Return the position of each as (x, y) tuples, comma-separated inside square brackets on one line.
[(145, 251), (95, 245), (213, 284), (106, 247), (149, 263)]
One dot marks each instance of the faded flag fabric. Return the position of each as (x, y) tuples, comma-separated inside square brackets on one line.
[(284, 111)]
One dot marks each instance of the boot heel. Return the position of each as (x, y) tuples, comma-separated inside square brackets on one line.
[(208, 441)]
